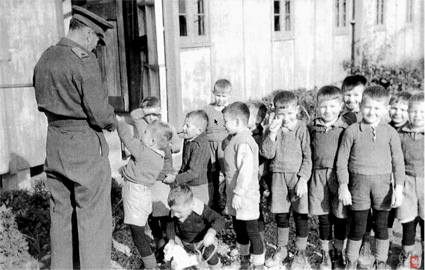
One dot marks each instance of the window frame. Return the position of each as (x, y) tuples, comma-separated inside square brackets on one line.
[(338, 15), (283, 34), (193, 39)]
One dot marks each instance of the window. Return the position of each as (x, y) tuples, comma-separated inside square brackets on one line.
[(341, 13), (193, 23), (380, 12), (409, 11), (283, 18)]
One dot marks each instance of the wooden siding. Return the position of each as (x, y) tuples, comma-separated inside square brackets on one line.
[(27, 30), (242, 47)]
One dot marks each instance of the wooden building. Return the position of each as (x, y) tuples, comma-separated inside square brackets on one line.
[(177, 49)]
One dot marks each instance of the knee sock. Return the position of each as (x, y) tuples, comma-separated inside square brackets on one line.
[(353, 249)]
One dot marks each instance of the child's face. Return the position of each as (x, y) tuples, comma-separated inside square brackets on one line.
[(151, 118), (416, 114), (398, 112), (231, 124), (329, 110), (288, 115), (190, 130), (182, 211), (148, 137), (353, 98), (373, 110), (221, 97)]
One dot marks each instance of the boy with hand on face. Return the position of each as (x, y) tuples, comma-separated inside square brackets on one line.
[(196, 157), (140, 174), (287, 144), (370, 151)]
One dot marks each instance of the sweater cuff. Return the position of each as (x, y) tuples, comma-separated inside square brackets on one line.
[(211, 230), (342, 177)]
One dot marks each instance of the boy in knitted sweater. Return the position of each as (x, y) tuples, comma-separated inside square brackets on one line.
[(242, 188)]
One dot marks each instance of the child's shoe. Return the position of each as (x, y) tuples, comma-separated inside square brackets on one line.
[(244, 262), (351, 265), (258, 267), (366, 258), (381, 265), (326, 261), (404, 261), (279, 256), (300, 260), (338, 261)]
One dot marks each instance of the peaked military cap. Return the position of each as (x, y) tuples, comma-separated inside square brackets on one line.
[(95, 22)]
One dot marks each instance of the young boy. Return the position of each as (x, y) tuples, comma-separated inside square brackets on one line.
[(369, 153), (325, 133), (287, 144), (352, 89), (399, 104), (196, 156), (194, 223), (143, 168), (149, 113), (216, 133), (412, 209), (242, 188)]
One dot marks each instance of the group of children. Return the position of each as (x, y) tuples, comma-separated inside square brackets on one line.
[(357, 166)]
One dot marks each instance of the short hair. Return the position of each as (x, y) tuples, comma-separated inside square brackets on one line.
[(352, 81), (238, 110), (150, 102), (402, 97), (329, 92), (180, 194), (222, 85), (75, 24), (416, 98), (259, 105), (376, 92), (199, 117), (284, 99), (163, 133)]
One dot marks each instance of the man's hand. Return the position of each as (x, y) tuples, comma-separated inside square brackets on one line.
[(237, 202), (209, 238), (344, 195), (397, 199), (301, 187), (169, 178)]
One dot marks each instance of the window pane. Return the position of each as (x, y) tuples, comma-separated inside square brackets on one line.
[(201, 7), (382, 11), (276, 23), (287, 15), (337, 12), (201, 25), (377, 11), (182, 6), (183, 26), (277, 7), (344, 13)]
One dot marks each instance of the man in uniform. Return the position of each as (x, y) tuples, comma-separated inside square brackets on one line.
[(69, 90)]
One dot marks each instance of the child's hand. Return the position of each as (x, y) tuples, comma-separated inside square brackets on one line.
[(266, 193), (344, 195), (301, 187), (237, 202), (275, 125), (120, 118), (169, 178), (397, 199), (209, 239)]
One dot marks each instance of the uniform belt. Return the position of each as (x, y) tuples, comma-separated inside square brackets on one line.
[(68, 123)]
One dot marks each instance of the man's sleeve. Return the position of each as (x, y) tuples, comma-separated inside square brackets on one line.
[(95, 97)]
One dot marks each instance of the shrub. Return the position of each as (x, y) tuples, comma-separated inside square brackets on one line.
[(31, 209), (13, 245), (403, 77)]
